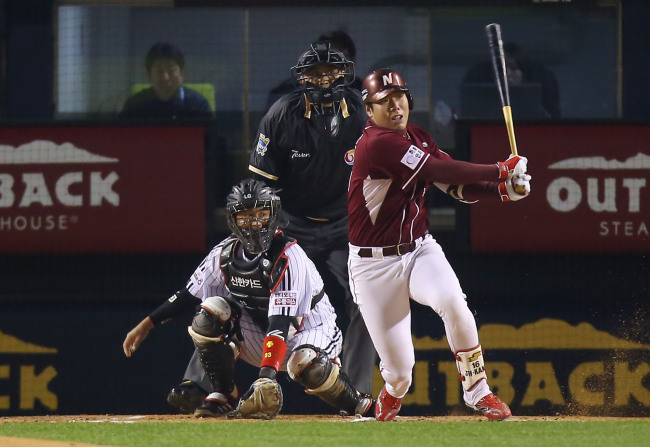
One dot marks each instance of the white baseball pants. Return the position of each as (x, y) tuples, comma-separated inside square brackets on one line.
[(382, 286)]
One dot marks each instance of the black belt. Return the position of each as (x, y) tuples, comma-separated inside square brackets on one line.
[(393, 250)]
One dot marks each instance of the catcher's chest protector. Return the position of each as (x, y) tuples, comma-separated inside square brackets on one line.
[(251, 283)]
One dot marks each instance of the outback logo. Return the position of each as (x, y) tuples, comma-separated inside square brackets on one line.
[(606, 186), (296, 154), (349, 157), (31, 367), (37, 191), (546, 362), (262, 144)]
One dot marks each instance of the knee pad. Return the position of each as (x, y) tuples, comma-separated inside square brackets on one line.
[(311, 368), (471, 367), (212, 319)]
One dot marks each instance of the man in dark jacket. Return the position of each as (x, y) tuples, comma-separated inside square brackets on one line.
[(167, 98)]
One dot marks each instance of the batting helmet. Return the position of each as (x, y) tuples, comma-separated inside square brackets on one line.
[(380, 83), (247, 195), (322, 53)]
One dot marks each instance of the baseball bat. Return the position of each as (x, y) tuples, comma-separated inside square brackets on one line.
[(493, 31)]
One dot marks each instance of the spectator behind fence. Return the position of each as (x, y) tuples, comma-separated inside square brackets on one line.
[(338, 39), (167, 98), (521, 69)]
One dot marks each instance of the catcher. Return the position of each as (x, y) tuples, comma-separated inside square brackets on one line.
[(262, 301)]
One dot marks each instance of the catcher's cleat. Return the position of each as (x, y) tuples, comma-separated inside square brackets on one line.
[(492, 407), (186, 396), (217, 404), (387, 406), (366, 406)]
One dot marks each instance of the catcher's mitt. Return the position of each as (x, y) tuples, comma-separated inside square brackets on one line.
[(263, 400)]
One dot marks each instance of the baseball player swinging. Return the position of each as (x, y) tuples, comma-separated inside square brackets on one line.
[(262, 301), (393, 258)]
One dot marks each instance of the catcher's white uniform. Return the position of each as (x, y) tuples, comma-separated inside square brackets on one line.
[(301, 282)]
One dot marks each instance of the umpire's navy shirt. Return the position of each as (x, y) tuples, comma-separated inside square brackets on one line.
[(312, 170)]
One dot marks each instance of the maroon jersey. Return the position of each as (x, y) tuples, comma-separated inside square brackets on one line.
[(386, 204)]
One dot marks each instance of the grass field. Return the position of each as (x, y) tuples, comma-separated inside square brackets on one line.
[(333, 431)]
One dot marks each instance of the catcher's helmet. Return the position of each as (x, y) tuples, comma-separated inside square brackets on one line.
[(247, 195), (382, 82)]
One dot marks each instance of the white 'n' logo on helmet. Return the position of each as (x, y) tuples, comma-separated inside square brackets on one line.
[(388, 79)]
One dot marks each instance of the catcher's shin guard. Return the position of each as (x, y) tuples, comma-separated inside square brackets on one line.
[(218, 360), (311, 368)]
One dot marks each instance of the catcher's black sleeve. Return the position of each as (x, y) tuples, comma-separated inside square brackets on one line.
[(174, 306), (279, 325)]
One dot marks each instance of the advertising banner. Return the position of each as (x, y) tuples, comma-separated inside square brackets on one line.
[(548, 366), (590, 190), (101, 189)]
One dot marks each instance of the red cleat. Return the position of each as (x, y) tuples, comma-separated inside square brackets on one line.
[(387, 406), (492, 407)]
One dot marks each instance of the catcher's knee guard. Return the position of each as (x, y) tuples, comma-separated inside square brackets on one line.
[(471, 367), (213, 319), (311, 368)]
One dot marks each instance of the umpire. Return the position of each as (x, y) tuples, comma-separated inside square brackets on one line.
[(305, 147)]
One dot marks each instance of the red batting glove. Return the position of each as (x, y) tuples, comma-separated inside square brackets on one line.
[(515, 189), (512, 167)]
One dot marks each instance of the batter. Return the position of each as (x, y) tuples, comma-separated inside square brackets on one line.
[(393, 258)]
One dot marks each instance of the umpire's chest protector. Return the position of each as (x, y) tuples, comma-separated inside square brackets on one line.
[(251, 282)]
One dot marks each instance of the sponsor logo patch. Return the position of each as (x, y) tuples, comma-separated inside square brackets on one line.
[(238, 281), (412, 157), (296, 154), (349, 157), (285, 298), (198, 279), (262, 144)]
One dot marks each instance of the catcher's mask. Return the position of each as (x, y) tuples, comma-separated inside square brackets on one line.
[(252, 212), (380, 83), (325, 101)]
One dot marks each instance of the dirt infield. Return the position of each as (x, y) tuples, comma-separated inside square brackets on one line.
[(129, 419)]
